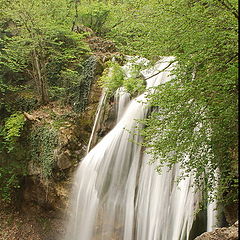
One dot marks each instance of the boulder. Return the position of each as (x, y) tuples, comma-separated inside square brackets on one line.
[(64, 160)]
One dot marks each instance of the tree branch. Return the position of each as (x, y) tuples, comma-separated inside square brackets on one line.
[(161, 70)]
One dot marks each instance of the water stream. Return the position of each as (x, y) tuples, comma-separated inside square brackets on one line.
[(117, 195)]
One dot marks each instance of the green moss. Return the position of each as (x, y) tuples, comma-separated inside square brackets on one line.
[(79, 99), (43, 140)]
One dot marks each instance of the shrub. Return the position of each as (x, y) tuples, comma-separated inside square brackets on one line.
[(113, 77), (9, 182), (94, 16), (12, 130)]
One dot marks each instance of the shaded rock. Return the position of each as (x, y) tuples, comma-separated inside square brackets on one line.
[(46, 195), (63, 160), (230, 233), (103, 49), (231, 213), (65, 135)]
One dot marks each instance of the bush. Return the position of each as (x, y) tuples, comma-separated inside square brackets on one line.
[(94, 16), (113, 77), (12, 130), (134, 85), (9, 182)]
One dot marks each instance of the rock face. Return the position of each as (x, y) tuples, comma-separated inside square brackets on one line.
[(63, 161), (231, 213), (230, 233)]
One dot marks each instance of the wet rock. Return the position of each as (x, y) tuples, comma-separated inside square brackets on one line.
[(230, 233)]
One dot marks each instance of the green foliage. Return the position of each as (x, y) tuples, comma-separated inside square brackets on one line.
[(25, 103), (79, 98), (65, 52), (14, 55), (134, 85), (12, 130), (9, 182), (94, 16), (11, 168), (43, 140), (134, 27), (195, 114), (67, 83), (197, 111), (38, 43), (113, 77)]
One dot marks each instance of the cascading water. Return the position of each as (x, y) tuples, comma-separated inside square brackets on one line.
[(97, 120), (122, 98), (118, 196), (211, 208)]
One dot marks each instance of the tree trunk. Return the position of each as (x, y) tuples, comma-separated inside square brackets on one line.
[(40, 79)]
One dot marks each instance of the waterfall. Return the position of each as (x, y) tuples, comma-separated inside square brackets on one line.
[(211, 208), (97, 120), (167, 210), (122, 98), (118, 196)]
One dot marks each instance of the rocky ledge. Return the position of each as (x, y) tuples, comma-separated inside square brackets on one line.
[(225, 233)]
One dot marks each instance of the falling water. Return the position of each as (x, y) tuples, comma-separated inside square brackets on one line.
[(118, 196), (212, 213), (97, 120), (122, 98), (167, 210)]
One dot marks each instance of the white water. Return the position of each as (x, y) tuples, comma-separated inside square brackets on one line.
[(118, 196), (212, 213), (211, 216), (167, 210), (122, 98), (97, 120)]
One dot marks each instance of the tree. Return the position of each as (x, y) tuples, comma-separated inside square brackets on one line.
[(39, 31), (196, 113)]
